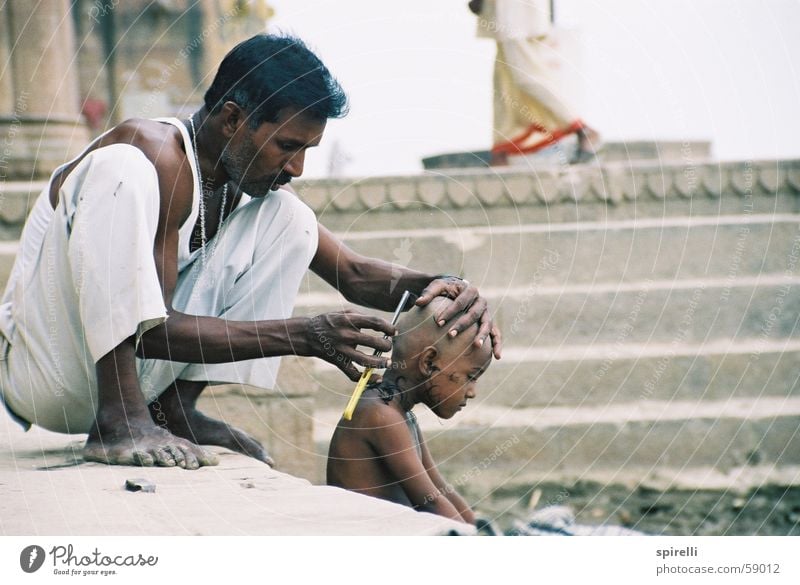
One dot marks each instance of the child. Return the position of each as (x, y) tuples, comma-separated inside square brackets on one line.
[(380, 452)]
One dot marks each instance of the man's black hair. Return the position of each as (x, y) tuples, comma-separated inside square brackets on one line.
[(267, 73)]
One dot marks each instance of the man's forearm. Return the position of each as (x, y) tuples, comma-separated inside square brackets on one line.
[(192, 339), (379, 284)]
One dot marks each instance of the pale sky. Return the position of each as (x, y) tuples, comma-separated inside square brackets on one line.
[(420, 81)]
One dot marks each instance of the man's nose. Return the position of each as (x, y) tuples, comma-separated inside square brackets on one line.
[(294, 166), (471, 391)]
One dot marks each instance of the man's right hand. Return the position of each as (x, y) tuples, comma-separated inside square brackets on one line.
[(334, 337)]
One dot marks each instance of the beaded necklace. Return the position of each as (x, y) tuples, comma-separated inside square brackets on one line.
[(202, 209)]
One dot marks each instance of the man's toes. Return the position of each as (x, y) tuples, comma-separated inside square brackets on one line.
[(189, 459), (249, 446), (142, 458), (206, 457), (177, 455), (163, 457)]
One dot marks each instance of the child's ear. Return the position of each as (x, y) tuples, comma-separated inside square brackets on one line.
[(427, 361)]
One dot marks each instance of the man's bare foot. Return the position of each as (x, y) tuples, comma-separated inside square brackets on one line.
[(144, 444), (176, 411), (589, 145), (193, 425)]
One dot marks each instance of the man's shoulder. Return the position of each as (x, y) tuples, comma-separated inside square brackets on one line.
[(160, 142)]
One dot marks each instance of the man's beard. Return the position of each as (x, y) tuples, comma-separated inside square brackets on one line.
[(236, 165)]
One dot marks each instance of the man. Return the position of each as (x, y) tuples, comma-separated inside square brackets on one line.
[(167, 257), (529, 112)]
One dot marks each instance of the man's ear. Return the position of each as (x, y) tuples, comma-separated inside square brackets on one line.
[(427, 361), (232, 117)]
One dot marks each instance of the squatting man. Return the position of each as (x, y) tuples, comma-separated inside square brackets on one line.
[(168, 256)]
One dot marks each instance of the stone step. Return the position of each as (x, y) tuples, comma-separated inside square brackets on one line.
[(612, 374), (670, 312), (645, 434), (609, 251), (511, 196)]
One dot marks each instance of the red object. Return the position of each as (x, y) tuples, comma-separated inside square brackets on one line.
[(515, 146)]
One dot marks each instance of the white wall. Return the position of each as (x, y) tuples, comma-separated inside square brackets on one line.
[(420, 82)]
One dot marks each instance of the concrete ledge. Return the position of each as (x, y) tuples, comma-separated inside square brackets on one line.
[(46, 491), (610, 183)]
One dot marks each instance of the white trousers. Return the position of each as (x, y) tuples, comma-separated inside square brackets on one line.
[(85, 280)]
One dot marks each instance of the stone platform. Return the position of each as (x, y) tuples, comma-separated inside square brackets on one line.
[(47, 490)]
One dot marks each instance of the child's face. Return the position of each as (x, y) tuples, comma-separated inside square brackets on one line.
[(455, 383)]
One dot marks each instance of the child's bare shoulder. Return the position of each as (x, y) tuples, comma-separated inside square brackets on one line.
[(375, 413)]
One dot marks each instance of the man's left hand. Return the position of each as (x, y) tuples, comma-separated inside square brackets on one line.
[(468, 300)]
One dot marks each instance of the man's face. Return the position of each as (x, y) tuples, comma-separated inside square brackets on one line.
[(455, 383), (261, 160)]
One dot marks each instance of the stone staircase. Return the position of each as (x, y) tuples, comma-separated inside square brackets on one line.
[(649, 312)]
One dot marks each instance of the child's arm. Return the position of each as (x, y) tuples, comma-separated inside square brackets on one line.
[(458, 502), (391, 439)]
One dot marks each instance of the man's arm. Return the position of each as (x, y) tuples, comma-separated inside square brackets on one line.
[(332, 337), (455, 498), (375, 283), (391, 440)]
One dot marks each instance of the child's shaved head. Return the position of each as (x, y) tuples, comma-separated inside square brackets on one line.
[(417, 329)]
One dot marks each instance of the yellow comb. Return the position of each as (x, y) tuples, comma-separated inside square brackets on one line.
[(362, 382)]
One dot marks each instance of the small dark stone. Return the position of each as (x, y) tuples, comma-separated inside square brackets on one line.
[(140, 485)]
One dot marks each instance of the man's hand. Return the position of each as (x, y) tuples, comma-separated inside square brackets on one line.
[(467, 299), (333, 337)]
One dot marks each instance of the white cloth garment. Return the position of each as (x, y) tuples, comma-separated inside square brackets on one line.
[(507, 20), (85, 280)]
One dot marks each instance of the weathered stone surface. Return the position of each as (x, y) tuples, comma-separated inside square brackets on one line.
[(714, 178), (771, 178), (659, 183), (518, 188), (346, 198), (41, 472), (316, 195), (743, 178), (490, 189), (371, 193), (546, 186), (571, 376), (461, 191), (402, 194), (657, 435), (687, 182), (431, 190)]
